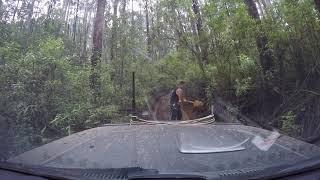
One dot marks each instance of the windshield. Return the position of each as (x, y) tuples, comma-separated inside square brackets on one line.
[(196, 78)]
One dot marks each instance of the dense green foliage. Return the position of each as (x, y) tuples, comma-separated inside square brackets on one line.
[(45, 62)]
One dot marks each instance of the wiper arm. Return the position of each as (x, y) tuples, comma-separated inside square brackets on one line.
[(74, 173)]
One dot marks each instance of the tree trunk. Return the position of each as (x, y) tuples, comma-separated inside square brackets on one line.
[(148, 29), (66, 17), (15, 11), (64, 10), (86, 25), (177, 25), (95, 83), (114, 28), (267, 3), (157, 34), (28, 25), (261, 7), (265, 57), (252, 9), (262, 41), (132, 29), (123, 40), (317, 3), (85, 41), (75, 23), (202, 41), (29, 18), (264, 3), (49, 11), (1, 12)]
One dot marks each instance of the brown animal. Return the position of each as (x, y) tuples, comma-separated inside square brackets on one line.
[(189, 108)]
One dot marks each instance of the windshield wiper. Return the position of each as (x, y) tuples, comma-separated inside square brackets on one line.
[(168, 176), (290, 170), (75, 173), (134, 173)]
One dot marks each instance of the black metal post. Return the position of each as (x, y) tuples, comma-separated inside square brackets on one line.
[(133, 94)]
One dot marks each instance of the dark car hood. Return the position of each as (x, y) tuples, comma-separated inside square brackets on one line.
[(159, 147)]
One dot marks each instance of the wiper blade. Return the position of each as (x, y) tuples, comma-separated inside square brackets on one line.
[(168, 176), (38, 171), (290, 170), (77, 173)]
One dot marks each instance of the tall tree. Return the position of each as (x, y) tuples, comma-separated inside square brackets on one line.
[(265, 57), (261, 7), (30, 14), (262, 41), (148, 28), (202, 43), (267, 3), (113, 39), (51, 6), (15, 11), (176, 24), (95, 83), (252, 9), (1, 9), (123, 40), (66, 12), (75, 23), (86, 25)]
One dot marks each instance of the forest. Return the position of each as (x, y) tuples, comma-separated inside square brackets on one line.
[(67, 65)]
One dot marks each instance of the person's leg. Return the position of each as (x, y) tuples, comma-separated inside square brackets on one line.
[(179, 114), (173, 114)]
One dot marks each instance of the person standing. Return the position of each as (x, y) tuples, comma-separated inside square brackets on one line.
[(176, 100)]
